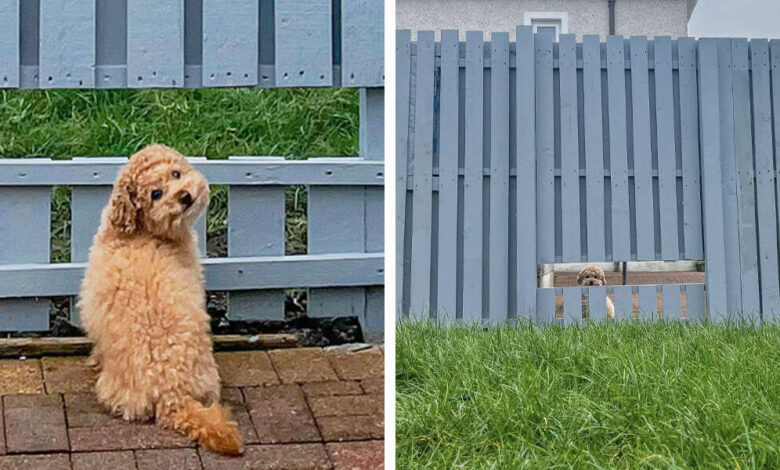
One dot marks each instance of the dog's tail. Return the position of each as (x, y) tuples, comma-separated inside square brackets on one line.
[(211, 426)]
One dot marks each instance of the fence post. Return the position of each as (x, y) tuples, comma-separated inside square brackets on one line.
[(403, 97)]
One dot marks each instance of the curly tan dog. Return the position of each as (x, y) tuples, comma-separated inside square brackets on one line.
[(594, 276), (143, 303)]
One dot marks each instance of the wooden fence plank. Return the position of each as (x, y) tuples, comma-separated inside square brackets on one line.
[(671, 296), (155, 44), (743, 155), (624, 307), (594, 148), (570, 151), (545, 150), (526, 174), (10, 56), (648, 303), (689, 145), (230, 42), (67, 44), (303, 43), (765, 188), (695, 308), (498, 259), (29, 208), (472, 212), (772, 314), (545, 301), (403, 77), (362, 43), (422, 212), (618, 149), (597, 303), (448, 177), (729, 176), (643, 175), (717, 306), (256, 228), (572, 305), (667, 156)]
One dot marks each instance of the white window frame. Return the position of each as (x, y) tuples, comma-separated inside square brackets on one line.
[(557, 19)]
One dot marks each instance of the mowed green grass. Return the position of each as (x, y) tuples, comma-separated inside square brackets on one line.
[(642, 395)]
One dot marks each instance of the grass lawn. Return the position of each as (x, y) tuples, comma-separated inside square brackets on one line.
[(641, 395)]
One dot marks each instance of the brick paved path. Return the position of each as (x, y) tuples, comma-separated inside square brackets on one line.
[(301, 408)]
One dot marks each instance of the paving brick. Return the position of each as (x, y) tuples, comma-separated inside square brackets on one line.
[(350, 405), (351, 428), (84, 411), (20, 376), (250, 368), (67, 375), (272, 457), (35, 462), (331, 388), (168, 459), (34, 423), (368, 364), (373, 386), (302, 365), (232, 398), (357, 455), (103, 460), (280, 414)]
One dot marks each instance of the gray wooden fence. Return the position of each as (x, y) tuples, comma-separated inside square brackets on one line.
[(511, 155), (204, 43)]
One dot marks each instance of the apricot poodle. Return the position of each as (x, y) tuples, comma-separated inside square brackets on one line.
[(143, 304), (594, 276)]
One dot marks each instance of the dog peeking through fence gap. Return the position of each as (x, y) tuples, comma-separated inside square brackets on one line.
[(593, 276), (143, 303)]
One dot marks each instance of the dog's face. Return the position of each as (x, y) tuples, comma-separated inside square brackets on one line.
[(592, 276), (157, 192)]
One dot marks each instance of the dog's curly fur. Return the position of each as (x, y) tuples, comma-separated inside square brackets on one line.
[(143, 304), (594, 276)]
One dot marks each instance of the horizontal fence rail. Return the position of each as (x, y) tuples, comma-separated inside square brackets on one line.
[(511, 155), (191, 43)]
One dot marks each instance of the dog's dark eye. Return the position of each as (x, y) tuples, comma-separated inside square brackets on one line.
[(156, 194), (176, 174)]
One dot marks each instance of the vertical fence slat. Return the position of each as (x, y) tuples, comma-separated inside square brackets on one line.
[(711, 179), (303, 44), (671, 296), (67, 44), (765, 184), (362, 43), (545, 302), (526, 174), (545, 148), (643, 175), (422, 212), (772, 314), (572, 305), (499, 178), (729, 177), (694, 302), (230, 42), (27, 209), (648, 302), (448, 176), (256, 228), (743, 154), (402, 98), (624, 306), (570, 151), (155, 44), (472, 210), (594, 147), (618, 149), (10, 58), (667, 156), (597, 303), (689, 145)]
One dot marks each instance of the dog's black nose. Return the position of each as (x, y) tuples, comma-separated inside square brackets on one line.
[(185, 199), (590, 283)]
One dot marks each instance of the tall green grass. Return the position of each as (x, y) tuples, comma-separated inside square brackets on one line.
[(640, 395)]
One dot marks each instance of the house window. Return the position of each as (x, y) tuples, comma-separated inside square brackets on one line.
[(553, 22)]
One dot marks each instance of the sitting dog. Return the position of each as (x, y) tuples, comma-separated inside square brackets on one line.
[(594, 276), (143, 303)]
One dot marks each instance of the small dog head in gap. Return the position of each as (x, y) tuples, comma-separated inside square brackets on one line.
[(591, 276), (157, 192)]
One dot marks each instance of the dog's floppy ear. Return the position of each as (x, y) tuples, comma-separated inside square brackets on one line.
[(580, 276), (603, 277), (124, 212)]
